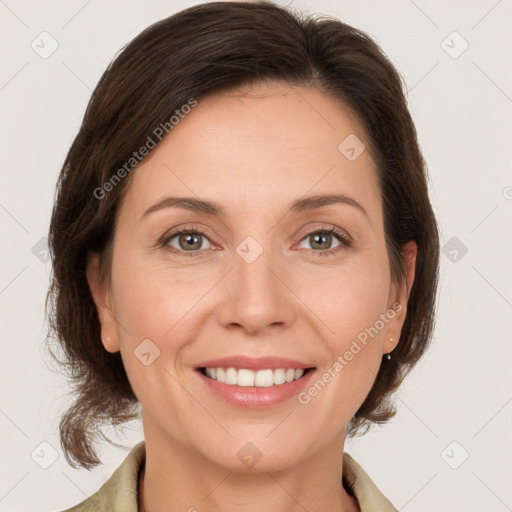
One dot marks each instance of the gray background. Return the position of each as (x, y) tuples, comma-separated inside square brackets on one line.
[(456, 403)]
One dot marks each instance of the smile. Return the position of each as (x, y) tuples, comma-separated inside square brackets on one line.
[(248, 378)]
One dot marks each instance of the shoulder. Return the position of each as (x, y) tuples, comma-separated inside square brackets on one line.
[(120, 491), (368, 495)]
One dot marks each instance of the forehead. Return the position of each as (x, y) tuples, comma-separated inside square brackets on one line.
[(259, 147)]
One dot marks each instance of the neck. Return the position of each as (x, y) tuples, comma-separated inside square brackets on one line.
[(176, 478)]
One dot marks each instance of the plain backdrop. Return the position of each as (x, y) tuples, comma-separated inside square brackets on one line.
[(449, 448)]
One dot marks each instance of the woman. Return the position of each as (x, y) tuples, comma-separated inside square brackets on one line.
[(243, 248)]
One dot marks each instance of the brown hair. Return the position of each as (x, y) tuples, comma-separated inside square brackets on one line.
[(199, 51)]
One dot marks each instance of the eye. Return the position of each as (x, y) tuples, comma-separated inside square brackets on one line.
[(188, 241), (192, 241), (321, 241)]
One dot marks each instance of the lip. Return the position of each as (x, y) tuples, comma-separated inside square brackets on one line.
[(251, 363), (255, 397)]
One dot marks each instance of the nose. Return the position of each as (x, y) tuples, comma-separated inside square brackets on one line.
[(257, 296)]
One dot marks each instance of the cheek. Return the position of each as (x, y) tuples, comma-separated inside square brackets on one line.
[(152, 298), (350, 302), (153, 306), (156, 301), (348, 299)]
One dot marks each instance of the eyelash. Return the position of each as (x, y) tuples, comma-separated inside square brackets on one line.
[(345, 241)]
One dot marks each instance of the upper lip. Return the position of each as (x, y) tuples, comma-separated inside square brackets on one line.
[(254, 363)]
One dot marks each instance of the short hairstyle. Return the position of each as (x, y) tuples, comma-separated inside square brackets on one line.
[(200, 51)]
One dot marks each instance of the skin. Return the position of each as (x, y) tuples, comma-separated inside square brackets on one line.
[(254, 152)]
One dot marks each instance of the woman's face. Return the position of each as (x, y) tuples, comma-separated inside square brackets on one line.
[(269, 271)]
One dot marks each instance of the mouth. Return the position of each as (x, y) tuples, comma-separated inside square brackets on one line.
[(263, 378), (255, 382)]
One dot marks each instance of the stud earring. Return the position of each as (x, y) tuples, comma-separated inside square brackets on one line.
[(388, 356), (108, 339)]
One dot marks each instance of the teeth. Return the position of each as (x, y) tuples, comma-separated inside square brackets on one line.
[(249, 378), (264, 378), (231, 376), (279, 376), (245, 378)]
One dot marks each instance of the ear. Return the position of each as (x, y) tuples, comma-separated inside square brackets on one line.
[(399, 296), (101, 295)]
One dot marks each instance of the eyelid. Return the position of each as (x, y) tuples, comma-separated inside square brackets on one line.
[(186, 228), (328, 228)]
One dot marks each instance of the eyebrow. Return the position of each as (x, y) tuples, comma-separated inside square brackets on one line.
[(211, 208)]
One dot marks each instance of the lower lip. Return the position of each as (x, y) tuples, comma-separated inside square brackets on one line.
[(256, 397)]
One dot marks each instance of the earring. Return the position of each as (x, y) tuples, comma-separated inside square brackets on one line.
[(108, 339), (388, 356)]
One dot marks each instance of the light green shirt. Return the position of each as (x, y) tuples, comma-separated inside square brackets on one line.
[(119, 493)]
